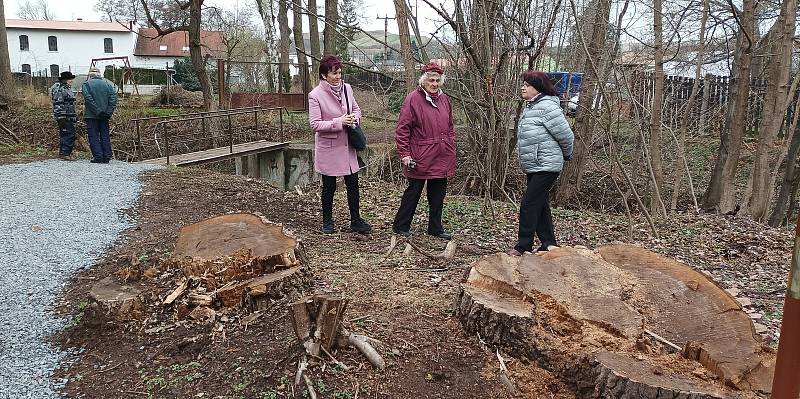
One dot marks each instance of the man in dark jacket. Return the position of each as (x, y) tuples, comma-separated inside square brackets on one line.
[(100, 100), (64, 113)]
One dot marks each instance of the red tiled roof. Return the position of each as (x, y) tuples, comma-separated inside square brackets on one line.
[(67, 25), (148, 43)]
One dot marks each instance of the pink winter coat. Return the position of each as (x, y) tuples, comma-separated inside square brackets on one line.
[(333, 156), (426, 133)]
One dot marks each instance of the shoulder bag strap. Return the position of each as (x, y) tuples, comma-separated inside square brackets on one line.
[(346, 99)]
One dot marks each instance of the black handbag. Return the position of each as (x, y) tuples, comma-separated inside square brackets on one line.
[(355, 136)]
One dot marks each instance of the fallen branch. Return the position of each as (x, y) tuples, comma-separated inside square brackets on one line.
[(340, 364), (504, 378), (410, 246), (361, 343)]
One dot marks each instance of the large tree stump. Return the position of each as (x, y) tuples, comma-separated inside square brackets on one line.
[(109, 301), (237, 260), (606, 322)]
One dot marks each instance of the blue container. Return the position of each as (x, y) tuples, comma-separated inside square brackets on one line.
[(568, 84)]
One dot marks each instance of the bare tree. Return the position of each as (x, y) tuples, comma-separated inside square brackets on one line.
[(329, 33), (38, 10), (122, 10), (595, 40), (655, 157), (687, 110), (762, 181), (5, 63), (721, 192), (193, 28), (405, 44), (313, 28), (266, 9), (283, 44), (297, 29)]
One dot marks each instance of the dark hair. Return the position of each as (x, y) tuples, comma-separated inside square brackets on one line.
[(540, 81), (328, 64)]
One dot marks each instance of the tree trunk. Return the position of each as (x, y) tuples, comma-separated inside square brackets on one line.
[(415, 26), (5, 62), (779, 213), (405, 45), (283, 47), (329, 33), (780, 67), (196, 53), (721, 192), (266, 11), (570, 182), (297, 29), (313, 28), (656, 201), (688, 108)]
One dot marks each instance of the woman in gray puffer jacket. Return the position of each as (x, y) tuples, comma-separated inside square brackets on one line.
[(544, 142)]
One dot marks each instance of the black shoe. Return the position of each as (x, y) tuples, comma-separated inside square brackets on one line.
[(360, 226), (105, 161), (95, 160), (328, 228), (404, 233), (443, 235)]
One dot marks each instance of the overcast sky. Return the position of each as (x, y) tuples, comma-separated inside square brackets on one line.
[(72, 9)]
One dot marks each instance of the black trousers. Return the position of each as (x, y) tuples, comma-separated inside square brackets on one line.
[(329, 188), (408, 204), (66, 136), (534, 212)]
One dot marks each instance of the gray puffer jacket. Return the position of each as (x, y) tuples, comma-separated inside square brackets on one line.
[(544, 138)]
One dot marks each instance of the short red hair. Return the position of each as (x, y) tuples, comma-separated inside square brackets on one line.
[(540, 81), (328, 64)]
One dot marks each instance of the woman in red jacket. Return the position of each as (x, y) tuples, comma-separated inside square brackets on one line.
[(426, 145)]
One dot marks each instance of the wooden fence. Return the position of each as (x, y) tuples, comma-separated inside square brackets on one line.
[(707, 116)]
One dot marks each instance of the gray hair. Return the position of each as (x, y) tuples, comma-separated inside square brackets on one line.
[(95, 73), (425, 76)]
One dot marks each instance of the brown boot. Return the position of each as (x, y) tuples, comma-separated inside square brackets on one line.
[(66, 158)]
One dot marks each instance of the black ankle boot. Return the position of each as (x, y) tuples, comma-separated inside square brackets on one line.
[(360, 226), (327, 227)]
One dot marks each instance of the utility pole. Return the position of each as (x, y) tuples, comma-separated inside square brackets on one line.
[(785, 381), (385, 19)]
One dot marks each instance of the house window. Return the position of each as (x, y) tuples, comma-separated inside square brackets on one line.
[(108, 45), (54, 70), (26, 68), (162, 47), (52, 43), (23, 43)]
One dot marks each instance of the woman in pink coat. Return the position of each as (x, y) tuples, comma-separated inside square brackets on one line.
[(426, 143), (328, 115)]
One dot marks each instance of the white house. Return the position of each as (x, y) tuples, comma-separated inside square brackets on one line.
[(48, 48), (156, 52)]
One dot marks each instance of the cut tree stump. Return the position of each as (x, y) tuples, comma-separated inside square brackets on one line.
[(110, 301), (317, 322), (237, 260), (583, 315)]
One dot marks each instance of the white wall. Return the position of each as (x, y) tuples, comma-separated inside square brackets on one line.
[(75, 49), (154, 62)]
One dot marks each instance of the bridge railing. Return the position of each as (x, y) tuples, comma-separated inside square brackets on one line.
[(165, 136)]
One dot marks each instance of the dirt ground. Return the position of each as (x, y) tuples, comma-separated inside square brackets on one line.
[(402, 301), (399, 302)]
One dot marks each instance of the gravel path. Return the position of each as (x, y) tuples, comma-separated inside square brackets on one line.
[(56, 218)]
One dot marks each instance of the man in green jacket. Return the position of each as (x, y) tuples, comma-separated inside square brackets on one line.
[(100, 100)]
